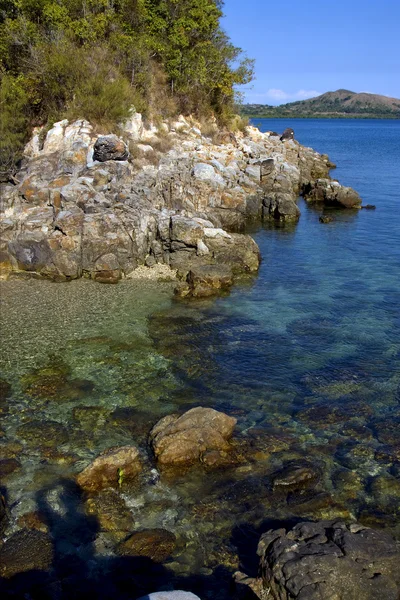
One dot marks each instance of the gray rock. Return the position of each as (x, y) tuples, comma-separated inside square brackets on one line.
[(330, 560), (110, 147)]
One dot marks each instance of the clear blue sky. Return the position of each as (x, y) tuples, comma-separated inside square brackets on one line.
[(307, 47)]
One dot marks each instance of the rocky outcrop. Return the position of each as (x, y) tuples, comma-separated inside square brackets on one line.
[(327, 560), (84, 206), (331, 193), (188, 438), (111, 468)]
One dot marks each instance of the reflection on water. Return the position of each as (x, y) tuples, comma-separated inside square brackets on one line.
[(306, 357)]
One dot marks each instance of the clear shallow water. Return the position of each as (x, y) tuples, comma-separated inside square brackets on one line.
[(306, 356)]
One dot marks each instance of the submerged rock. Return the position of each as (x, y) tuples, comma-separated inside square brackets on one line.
[(43, 433), (328, 559), (186, 439), (326, 219), (295, 476), (26, 550), (111, 468), (156, 544)]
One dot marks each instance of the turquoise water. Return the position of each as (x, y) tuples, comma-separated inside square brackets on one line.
[(306, 356)]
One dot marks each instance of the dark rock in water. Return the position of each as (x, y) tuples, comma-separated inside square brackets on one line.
[(110, 147), (329, 559), (369, 207), (325, 219), (388, 430), (5, 393), (26, 550), (3, 514), (295, 476), (5, 389), (52, 382), (8, 466), (288, 134), (111, 512), (43, 433), (156, 544)]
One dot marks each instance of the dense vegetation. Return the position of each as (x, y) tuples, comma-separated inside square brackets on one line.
[(339, 104), (97, 58)]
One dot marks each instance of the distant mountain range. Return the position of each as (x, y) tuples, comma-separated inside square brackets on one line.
[(335, 105)]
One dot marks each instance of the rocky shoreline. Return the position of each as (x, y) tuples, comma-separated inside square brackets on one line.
[(100, 206)]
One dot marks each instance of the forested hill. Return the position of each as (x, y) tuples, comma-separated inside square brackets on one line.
[(94, 59), (339, 104)]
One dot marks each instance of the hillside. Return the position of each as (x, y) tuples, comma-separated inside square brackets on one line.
[(339, 104)]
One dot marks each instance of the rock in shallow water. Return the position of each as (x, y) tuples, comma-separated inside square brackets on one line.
[(26, 550), (330, 560), (111, 467), (187, 439), (156, 544)]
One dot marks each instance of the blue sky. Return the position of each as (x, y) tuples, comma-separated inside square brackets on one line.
[(304, 48)]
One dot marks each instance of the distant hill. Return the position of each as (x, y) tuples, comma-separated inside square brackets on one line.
[(338, 105)]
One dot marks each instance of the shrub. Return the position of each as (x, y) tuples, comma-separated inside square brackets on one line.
[(13, 123)]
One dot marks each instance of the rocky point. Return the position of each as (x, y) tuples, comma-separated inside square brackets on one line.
[(100, 206)]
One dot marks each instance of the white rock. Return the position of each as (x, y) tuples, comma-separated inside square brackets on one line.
[(176, 595), (133, 126), (202, 249), (213, 232)]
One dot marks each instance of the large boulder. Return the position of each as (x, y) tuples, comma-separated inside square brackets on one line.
[(330, 560), (331, 193), (110, 147), (188, 438), (111, 468)]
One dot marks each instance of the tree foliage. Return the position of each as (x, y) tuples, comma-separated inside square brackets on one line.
[(95, 58)]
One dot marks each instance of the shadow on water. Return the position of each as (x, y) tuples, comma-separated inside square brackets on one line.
[(78, 572)]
